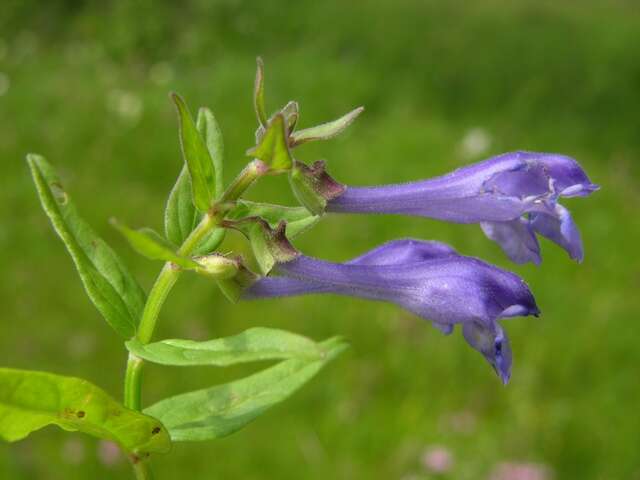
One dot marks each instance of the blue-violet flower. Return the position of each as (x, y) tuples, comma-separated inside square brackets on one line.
[(427, 278), (513, 196)]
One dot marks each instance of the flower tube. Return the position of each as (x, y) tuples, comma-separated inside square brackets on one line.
[(429, 279), (513, 196)]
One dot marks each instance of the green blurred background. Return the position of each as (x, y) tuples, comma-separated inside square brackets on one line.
[(445, 83)]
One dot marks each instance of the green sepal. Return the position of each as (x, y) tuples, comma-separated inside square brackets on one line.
[(324, 131), (298, 219), (255, 344), (273, 148), (258, 93), (151, 245), (196, 157), (269, 245), (224, 409), (106, 279), (313, 186), (232, 288), (31, 400)]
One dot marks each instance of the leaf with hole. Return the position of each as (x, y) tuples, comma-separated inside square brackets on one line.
[(223, 409), (32, 400), (107, 281)]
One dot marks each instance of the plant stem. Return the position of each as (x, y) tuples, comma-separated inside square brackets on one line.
[(158, 294), (142, 469), (164, 283)]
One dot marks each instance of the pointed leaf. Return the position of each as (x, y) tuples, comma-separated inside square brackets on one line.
[(212, 135), (258, 93), (180, 213), (107, 281), (197, 158), (298, 218), (151, 245), (326, 130), (221, 410), (32, 400), (210, 242), (273, 147), (249, 346)]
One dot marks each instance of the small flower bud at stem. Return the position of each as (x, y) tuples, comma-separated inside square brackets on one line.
[(217, 266)]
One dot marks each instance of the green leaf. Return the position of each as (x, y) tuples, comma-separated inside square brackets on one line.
[(249, 346), (107, 281), (151, 245), (273, 147), (32, 400), (180, 213), (212, 135), (223, 409), (258, 93), (181, 217), (326, 130), (298, 219), (197, 158)]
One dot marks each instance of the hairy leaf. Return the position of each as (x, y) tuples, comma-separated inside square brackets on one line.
[(298, 218), (212, 136), (180, 213), (251, 345), (181, 216), (221, 410), (32, 400), (107, 281), (273, 147), (197, 158), (151, 245), (326, 130), (258, 93)]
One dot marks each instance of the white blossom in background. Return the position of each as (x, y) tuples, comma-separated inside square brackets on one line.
[(127, 105), (521, 471), (437, 459), (109, 453), (475, 142)]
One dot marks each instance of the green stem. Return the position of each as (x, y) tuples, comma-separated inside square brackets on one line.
[(157, 296), (142, 469), (244, 180), (163, 285)]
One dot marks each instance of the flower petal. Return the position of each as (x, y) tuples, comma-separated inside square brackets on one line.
[(492, 342), (517, 239), (561, 229)]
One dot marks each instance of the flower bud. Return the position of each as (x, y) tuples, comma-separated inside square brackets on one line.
[(217, 266)]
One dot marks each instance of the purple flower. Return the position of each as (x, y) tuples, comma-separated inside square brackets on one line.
[(513, 196), (429, 279)]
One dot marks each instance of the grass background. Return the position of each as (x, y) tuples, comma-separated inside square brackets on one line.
[(85, 84)]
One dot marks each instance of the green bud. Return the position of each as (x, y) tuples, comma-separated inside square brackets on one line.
[(217, 266)]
